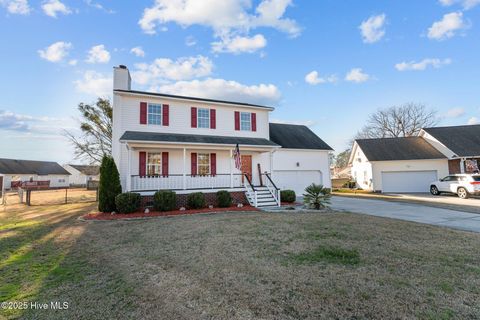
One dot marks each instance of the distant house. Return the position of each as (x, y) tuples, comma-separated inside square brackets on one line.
[(81, 174), (13, 172)]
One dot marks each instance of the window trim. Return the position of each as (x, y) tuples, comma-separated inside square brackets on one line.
[(159, 165), (209, 163), (208, 121), (249, 120), (157, 114)]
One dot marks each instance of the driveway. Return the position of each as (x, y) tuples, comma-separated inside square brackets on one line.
[(410, 212), (443, 198)]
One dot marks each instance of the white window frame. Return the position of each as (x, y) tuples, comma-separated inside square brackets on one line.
[(159, 115), (202, 165), (245, 122), (158, 166), (207, 118)]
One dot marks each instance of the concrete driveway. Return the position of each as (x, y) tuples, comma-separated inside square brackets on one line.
[(410, 212), (443, 198)]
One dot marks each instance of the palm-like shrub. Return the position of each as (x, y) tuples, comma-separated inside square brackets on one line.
[(316, 196)]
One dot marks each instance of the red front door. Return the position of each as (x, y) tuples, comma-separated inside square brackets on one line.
[(247, 166)]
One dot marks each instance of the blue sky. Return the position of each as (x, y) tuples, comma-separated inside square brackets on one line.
[(327, 64)]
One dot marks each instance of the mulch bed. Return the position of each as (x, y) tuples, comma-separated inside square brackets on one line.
[(119, 216)]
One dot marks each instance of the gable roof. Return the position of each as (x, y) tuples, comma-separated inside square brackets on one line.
[(292, 136), (86, 169), (464, 141), (13, 166), (172, 96), (387, 149), (193, 138)]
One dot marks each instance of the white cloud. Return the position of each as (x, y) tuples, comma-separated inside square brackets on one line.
[(94, 83), (227, 18), (53, 7), (467, 4), (455, 113), (422, 65), (138, 51), (265, 94), (373, 29), (190, 41), (307, 123), (313, 78), (357, 75), (240, 44), (73, 62), (163, 69), (27, 123), (98, 6), (98, 54), (447, 27), (473, 120), (55, 52), (16, 6)]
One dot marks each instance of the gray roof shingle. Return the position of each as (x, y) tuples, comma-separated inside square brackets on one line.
[(13, 166), (88, 170), (190, 138), (464, 141), (292, 136), (410, 148)]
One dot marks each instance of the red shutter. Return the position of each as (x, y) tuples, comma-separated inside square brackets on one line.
[(213, 164), (165, 164), (194, 117), (213, 119), (143, 113), (254, 122), (237, 120), (142, 163), (194, 164), (165, 114)]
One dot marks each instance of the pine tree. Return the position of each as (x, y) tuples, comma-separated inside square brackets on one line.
[(109, 186)]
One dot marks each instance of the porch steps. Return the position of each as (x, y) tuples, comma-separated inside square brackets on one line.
[(264, 198)]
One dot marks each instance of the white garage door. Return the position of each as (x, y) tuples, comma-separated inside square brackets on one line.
[(408, 181), (296, 180)]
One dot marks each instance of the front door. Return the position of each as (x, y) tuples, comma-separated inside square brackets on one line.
[(246, 166)]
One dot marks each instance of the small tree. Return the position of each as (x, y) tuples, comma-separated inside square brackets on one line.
[(316, 196), (109, 186)]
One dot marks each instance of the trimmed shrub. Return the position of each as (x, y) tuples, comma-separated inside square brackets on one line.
[(196, 200), (128, 202), (109, 186), (164, 200), (224, 199), (288, 196)]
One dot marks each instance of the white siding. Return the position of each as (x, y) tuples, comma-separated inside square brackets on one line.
[(437, 144), (361, 169)]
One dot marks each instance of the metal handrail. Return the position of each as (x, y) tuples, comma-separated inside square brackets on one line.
[(249, 182), (271, 181)]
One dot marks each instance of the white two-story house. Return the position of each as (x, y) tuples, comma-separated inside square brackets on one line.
[(187, 144)]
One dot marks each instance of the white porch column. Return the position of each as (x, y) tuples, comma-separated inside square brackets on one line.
[(129, 170), (271, 164), (184, 168), (231, 169), (462, 165)]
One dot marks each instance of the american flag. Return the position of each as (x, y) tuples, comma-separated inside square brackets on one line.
[(236, 156)]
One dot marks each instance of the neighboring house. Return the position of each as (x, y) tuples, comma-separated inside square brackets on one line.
[(81, 174), (187, 144), (460, 144), (396, 164), (15, 171)]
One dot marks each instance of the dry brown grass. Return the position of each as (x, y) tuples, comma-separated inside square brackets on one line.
[(261, 265)]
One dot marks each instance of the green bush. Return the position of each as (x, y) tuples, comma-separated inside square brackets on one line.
[(316, 196), (196, 200), (109, 186), (288, 196), (164, 200), (224, 199), (128, 202)]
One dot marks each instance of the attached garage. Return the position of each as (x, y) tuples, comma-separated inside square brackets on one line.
[(408, 181), (297, 180)]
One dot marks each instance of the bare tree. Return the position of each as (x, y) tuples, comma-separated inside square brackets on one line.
[(398, 121), (95, 140)]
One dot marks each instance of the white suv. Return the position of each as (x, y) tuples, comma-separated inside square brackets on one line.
[(462, 185)]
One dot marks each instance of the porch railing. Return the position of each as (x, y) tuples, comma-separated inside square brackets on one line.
[(185, 182), (251, 192), (272, 188)]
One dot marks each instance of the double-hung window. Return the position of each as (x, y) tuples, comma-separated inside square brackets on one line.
[(154, 164), (245, 121), (203, 116), (203, 164), (154, 114)]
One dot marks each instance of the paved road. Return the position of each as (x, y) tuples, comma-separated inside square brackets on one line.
[(410, 212)]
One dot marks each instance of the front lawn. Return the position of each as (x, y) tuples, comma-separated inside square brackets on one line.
[(236, 266)]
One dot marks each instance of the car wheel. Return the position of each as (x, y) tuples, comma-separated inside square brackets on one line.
[(462, 193), (434, 190)]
